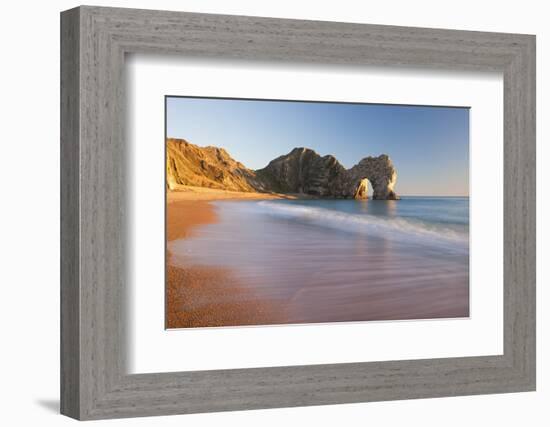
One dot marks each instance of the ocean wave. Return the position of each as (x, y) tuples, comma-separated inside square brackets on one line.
[(399, 228)]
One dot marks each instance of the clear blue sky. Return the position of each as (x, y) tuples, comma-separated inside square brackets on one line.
[(429, 146)]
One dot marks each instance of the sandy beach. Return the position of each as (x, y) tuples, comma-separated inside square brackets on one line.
[(204, 297), (246, 261), (188, 192)]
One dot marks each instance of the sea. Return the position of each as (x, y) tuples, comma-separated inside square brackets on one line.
[(343, 260)]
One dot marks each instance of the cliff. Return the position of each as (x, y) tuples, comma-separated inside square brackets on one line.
[(304, 171), (301, 171), (211, 167)]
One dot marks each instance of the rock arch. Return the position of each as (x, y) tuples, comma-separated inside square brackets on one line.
[(379, 171), (304, 171)]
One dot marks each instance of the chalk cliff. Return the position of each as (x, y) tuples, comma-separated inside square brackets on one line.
[(301, 171)]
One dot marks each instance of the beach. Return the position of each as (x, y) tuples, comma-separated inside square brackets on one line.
[(256, 260), (200, 296)]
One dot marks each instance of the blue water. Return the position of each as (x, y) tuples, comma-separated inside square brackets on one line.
[(427, 221), (342, 260)]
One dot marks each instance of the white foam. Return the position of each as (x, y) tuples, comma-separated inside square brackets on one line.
[(412, 230)]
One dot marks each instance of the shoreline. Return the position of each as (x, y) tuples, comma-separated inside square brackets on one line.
[(197, 296), (412, 285)]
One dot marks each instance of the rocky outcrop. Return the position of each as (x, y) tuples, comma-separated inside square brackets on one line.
[(379, 171), (211, 167), (302, 171)]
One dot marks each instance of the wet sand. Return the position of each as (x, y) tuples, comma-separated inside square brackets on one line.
[(204, 296)]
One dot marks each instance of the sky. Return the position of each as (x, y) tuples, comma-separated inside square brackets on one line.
[(429, 146)]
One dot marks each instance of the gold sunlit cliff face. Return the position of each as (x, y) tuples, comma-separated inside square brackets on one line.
[(302, 171), (208, 167)]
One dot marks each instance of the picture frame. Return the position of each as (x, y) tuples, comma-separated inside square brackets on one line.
[(94, 380)]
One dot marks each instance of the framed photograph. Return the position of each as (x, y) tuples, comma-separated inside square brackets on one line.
[(301, 238), (261, 213)]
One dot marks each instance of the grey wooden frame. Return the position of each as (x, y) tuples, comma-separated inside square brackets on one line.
[(94, 382)]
